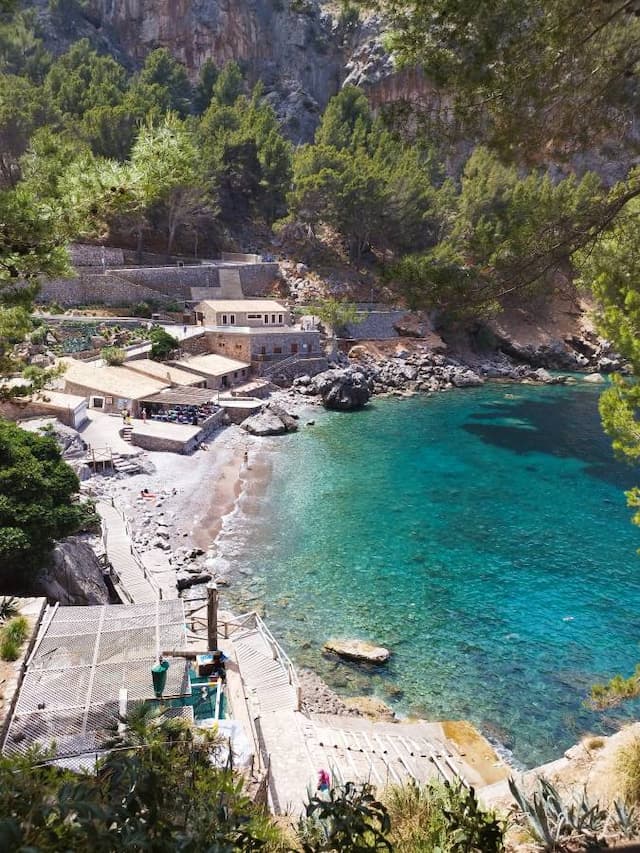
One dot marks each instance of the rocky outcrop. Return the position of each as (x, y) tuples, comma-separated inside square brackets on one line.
[(73, 575), (358, 650), (289, 46), (272, 420), (342, 389)]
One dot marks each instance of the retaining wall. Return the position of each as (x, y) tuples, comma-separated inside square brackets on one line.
[(159, 284), (176, 445)]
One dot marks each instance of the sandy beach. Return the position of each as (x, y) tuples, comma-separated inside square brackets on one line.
[(176, 528)]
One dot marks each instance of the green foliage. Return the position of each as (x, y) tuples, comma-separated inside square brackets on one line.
[(554, 77), (347, 817), (141, 309), (616, 690), (228, 85), (81, 80), (163, 344), (12, 635), (335, 313), (204, 90), (559, 825), (627, 771), (158, 792), (113, 355), (161, 73), (9, 648), (8, 608), (36, 506), (443, 818)]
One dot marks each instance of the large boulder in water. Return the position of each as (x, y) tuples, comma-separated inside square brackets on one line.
[(358, 650), (343, 389)]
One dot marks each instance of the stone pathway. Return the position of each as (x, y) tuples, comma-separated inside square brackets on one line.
[(299, 745)]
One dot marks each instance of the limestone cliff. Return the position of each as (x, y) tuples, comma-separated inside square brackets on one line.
[(291, 45)]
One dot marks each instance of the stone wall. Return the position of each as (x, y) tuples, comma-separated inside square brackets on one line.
[(308, 343), (170, 444), (258, 279), (157, 284), (197, 345), (18, 410), (299, 367), (241, 257), (84, 255), (97, 290)]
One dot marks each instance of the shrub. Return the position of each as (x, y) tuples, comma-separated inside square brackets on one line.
[(12, 636), (9, 649), (37, 488), (16, 629), (8, 608), (113, 355), (627, 770), (162, 344), (142, 309)]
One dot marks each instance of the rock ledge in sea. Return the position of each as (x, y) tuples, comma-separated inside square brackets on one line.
[(358, 650)]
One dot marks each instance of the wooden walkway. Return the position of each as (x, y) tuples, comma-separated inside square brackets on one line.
[(135, 583)]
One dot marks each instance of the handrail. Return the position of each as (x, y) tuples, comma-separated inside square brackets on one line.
[(216, 715), (136, 557), (279, 654)]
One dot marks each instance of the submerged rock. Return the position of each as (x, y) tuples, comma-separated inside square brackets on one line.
[(358, 650)]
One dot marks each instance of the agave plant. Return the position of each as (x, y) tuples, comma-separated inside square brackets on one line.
[(8, 608), (555, 823)]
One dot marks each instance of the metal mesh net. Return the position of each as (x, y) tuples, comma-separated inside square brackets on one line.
[(69, 698)]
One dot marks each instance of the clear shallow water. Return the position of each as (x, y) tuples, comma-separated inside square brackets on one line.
[(481, 535)]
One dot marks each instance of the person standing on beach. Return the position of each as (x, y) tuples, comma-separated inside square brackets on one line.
[(246, 458)]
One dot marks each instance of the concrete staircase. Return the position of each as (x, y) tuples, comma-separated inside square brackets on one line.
[(126, 433), (382, 753)]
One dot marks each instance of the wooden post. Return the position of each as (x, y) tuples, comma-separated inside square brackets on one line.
[(212, 616)]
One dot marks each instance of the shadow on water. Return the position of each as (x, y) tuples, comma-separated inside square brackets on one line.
[(568, 428)]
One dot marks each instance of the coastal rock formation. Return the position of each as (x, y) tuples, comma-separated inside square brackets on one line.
[(272, 420), (73, 575), (341, 389), (358, 650)]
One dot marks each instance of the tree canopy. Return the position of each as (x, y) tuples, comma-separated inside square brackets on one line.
[(36, 501)]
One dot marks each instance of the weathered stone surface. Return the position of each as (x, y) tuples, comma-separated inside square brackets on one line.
[(594, 377), (358, 650), (72, 575), (184, 580), (343, 389)]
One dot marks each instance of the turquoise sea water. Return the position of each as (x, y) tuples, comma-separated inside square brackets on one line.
[(481, 535)]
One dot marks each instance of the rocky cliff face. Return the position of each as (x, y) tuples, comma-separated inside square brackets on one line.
[(288, 44), (72, 575)]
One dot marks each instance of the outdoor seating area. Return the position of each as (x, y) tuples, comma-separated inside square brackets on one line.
[(181, 405), (193, 415)]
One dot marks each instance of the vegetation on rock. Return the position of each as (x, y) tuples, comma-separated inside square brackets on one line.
[(36, 502)]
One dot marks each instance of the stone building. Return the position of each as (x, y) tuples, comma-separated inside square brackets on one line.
[(216, 371), (252, 313), (165, 372), (109, 389)]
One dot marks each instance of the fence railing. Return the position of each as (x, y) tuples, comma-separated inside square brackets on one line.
[(252, 620), (136, 557)]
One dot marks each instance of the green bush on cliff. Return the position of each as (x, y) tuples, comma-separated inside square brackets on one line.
[(36, 491)]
